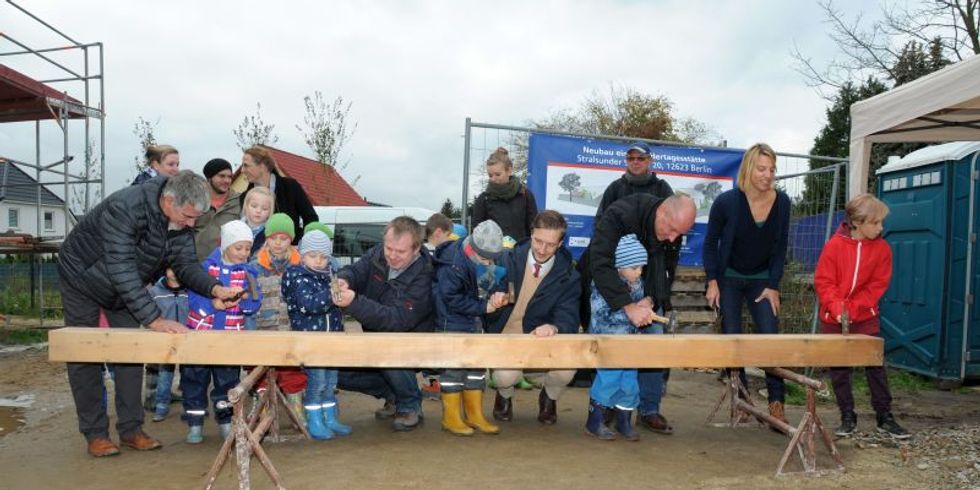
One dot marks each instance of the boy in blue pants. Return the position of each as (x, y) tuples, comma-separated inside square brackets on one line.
[(617, 389), (171, 298)]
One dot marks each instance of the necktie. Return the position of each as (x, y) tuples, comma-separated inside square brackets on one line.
[(537, 269)]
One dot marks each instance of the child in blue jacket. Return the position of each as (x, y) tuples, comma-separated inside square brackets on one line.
[(309, 303), (616, 389), (229, 265), (171, 297)]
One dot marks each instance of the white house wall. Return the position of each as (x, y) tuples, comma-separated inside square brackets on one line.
[(27, 222)]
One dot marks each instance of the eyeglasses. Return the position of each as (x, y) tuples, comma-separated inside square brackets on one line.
[(636, 158)]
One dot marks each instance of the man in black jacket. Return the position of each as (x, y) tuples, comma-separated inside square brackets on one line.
[(105, 263), (657, 222), (389, 289), (545, 289)]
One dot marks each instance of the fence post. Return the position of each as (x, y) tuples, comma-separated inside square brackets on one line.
[(466, 173), (831, 207)]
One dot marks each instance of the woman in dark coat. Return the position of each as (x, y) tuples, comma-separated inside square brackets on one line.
[(260, 169), (506, 200)]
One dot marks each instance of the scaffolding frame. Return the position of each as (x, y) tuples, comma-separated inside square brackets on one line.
[(61, 109)]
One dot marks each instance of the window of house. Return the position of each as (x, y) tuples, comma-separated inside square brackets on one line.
[(13, 218), (48, 221)]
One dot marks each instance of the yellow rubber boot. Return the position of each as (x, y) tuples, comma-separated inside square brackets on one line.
[(473, 403), (452, 416)]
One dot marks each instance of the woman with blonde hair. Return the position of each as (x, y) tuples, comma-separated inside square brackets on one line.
[(506, 200), (259, 168), (744, 253)]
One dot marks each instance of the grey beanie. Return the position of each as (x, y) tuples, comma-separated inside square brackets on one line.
[(316, 241), (487, 240)]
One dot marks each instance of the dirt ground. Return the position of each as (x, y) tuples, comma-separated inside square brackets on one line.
[(46, 451)]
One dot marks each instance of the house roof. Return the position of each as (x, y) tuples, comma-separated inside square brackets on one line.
[(322, 183), (24, 99), (16, 185)]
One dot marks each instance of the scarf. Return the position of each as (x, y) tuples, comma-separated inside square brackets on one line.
[(487, 276), (638, 179), (504, 192)]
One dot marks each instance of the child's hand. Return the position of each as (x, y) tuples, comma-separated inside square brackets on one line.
[(218, 304), (496, 301)]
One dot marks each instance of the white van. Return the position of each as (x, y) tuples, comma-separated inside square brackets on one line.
[(358, 228)]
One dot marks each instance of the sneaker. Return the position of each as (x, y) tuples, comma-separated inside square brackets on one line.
[(406, 421), (848, 424), (887, 424), (161, 412)]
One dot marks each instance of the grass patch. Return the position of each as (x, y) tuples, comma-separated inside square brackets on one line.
[(23, 337), (795, 394), (18, 302)]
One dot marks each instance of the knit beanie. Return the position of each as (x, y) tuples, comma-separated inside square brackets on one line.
[(233, 232), (214, 166), (487, 240), (316, 241), (316, 225), (459, 231), (280, 223), (630, 253)]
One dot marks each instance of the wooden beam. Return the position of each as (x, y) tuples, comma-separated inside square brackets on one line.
[(460, 350)]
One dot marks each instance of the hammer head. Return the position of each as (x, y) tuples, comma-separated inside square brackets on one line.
[(671, 326)]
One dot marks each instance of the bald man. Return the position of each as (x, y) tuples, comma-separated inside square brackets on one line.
[(656, 222)]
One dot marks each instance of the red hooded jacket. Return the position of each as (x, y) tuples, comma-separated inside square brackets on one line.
[(852, 274)]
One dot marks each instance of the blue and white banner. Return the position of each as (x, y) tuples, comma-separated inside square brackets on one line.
[(569, 175)]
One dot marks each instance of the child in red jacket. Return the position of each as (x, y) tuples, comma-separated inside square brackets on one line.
[(852, 274)]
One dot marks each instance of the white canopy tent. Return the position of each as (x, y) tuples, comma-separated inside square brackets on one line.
[(941, 106)]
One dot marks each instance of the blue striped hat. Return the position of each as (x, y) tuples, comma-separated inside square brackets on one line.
[(630, 253), (316, 241)]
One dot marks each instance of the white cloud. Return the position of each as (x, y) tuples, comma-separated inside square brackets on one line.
[(415, 70)]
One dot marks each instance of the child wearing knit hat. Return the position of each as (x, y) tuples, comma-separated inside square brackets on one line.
[(228, 264), (616, 389), (306, 289), (270, 262)]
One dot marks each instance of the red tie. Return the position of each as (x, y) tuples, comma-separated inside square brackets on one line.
[(537, 269)]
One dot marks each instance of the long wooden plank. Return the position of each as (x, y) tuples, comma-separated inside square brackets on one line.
[(461, 350)]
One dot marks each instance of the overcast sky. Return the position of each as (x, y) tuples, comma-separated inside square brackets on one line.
[(415, 70)]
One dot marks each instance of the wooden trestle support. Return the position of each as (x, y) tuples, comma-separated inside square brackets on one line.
[(249, 428), (802, 437)]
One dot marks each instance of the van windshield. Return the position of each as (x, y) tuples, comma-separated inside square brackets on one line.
[(354, 240)]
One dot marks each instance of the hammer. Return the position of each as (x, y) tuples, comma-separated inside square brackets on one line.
[(669, 321), (845, 322)]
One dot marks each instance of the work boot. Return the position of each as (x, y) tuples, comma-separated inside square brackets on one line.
[(473, 405), (314, 424), (385, 412), (547, 409), (624, 424), (140, 442), (595, 425), (888, 425), (295, 401), (848, 424), (224, 430), (331, 421), (778, 411), (195, 434), (406, 421), (452, 415), (101, 447), (503, 408), (655, 422)]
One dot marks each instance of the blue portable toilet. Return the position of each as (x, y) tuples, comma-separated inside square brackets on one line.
[(932, 230)]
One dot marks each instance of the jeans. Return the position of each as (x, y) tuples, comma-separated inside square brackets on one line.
[(320, 386), (734, 293), (616, 388), (651, 381), (194, 381), (165, 380), (86, 379), (399, 385)]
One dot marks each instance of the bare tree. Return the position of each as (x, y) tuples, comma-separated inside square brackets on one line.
[(948, 27), (143, 130), (83, 195), (253, 130), (326, 128)]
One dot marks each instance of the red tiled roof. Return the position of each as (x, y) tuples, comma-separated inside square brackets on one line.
[(25, 99), (322, 183)]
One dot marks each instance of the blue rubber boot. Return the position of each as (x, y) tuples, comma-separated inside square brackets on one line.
[(195, 434), (315, 426), (332, 422), (595, 425), (624, 424)]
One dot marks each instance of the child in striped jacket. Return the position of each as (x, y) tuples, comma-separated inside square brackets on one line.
[(228, 264)]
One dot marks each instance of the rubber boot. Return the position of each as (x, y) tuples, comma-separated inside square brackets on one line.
[(331, 421), (452, 416), (315, 425), (473, 403), (624, 424), (224, 429), (195, 434), (295, 401), (595, 425)]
